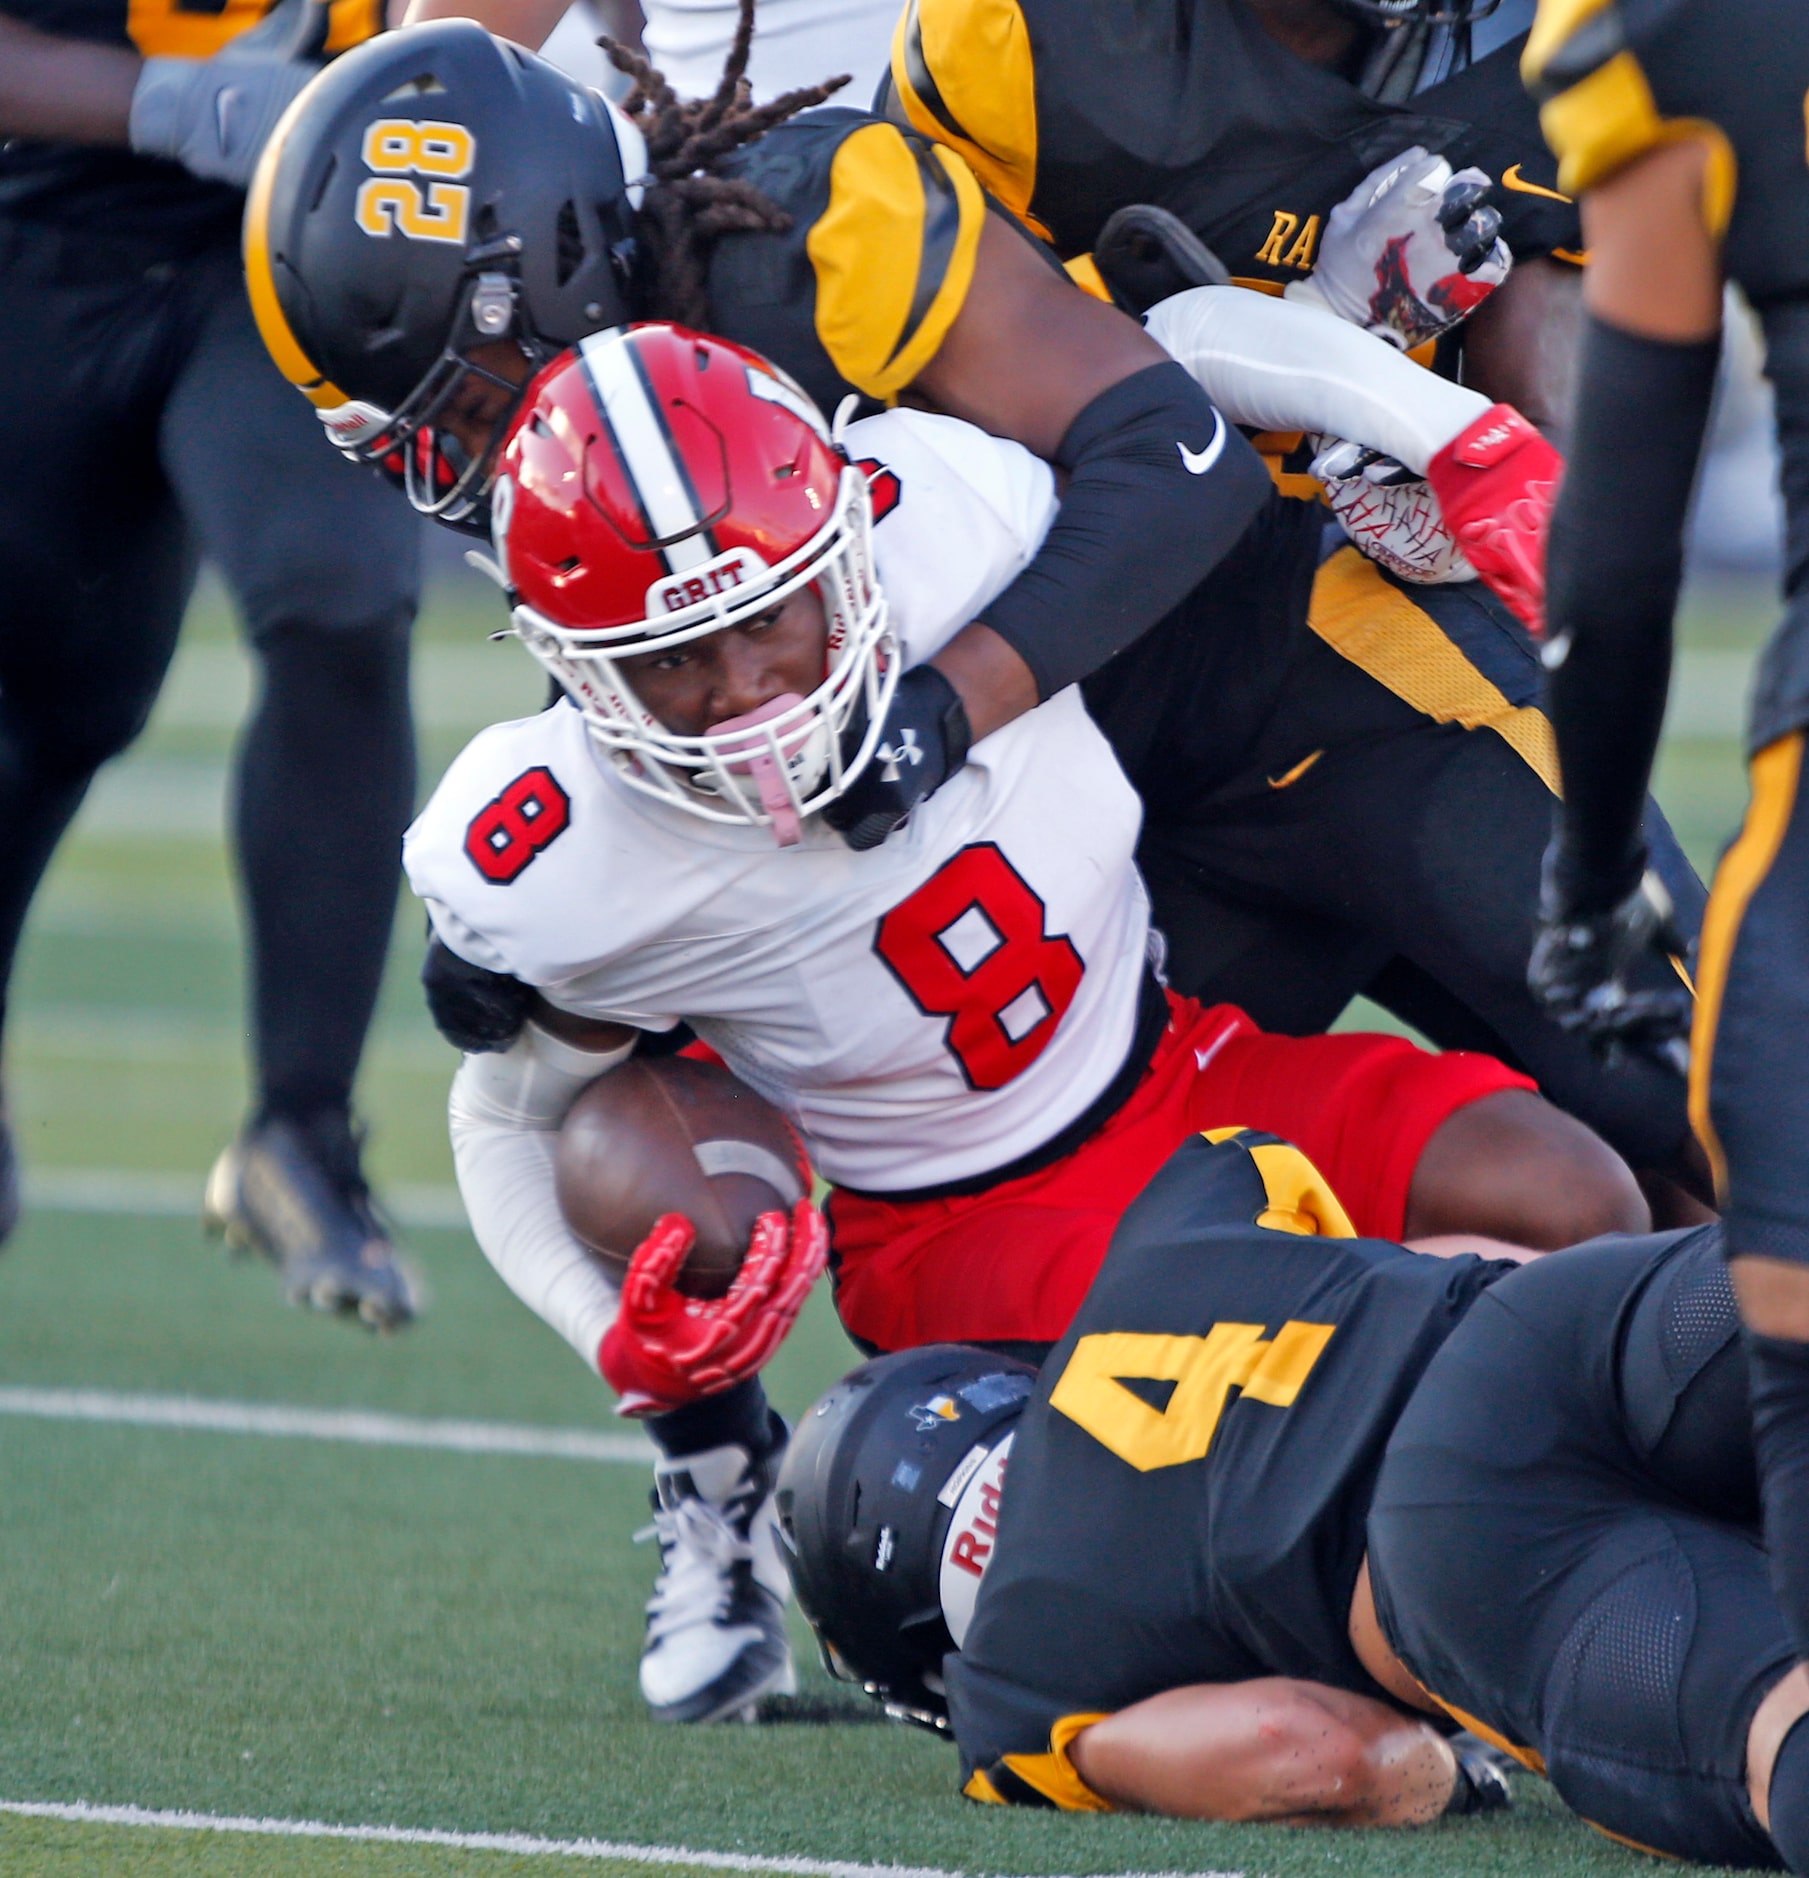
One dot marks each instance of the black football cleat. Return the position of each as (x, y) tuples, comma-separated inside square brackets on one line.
[(295, 1192)]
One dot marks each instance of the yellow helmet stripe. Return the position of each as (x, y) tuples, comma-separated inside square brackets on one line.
[(260, 277)]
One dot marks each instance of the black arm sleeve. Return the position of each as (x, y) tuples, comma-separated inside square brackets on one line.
[(1160, 487), (1615, 563)]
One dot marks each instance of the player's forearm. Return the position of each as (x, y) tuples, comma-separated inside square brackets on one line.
[(1277, 365), (1520, 345), (527, 22), (1614, 568), (1275, 1749), (63, 90), (504, 1113)]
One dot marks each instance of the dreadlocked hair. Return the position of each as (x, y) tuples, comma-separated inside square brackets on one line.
[(689, 203)]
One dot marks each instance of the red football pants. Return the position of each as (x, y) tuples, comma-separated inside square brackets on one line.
[(1014, 1262)]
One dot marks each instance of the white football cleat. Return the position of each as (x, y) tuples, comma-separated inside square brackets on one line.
[(716, 1639)]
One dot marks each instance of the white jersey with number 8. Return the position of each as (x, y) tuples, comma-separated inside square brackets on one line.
[(926, 1011)]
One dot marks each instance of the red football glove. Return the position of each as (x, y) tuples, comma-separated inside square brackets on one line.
[(666, 1349), (1497, 482)]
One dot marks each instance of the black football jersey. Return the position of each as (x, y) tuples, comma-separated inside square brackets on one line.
[(1069, 109), (1619, 78), (1186, 1495), (860, 291), (109, 192)]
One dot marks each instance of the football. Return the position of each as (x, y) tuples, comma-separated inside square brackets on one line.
[(671, 1135)]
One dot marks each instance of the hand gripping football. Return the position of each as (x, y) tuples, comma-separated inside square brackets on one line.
[(671, 1135)]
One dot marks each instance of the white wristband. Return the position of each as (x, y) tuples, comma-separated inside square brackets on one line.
[(534, 1082)]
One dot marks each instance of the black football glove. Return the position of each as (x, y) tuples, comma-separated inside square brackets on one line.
[(923, 742), (1481, 1780), (473, 1009), (1581, 963)]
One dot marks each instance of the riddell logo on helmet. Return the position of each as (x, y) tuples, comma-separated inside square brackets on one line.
[(713, 581), (972, 1535)]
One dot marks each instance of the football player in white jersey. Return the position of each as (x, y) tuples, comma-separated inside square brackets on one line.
[(964, 1022)]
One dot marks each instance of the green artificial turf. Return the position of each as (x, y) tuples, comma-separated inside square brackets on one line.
[(305, 1630)]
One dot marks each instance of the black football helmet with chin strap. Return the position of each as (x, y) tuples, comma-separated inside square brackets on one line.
[(437, 215), (882, 1480)]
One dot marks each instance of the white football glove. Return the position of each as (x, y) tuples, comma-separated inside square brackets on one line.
[(1410, 252), (214, 116), (1389, 513)]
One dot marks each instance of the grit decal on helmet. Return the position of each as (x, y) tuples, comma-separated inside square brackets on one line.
[(657, 486), (891, 1516)]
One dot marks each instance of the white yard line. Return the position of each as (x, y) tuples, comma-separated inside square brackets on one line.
[(178, 1196), (365, 1426), (521, 1844)]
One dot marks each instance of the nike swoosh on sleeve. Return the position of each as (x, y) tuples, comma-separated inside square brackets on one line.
[(1198, 462), (1510, 179)]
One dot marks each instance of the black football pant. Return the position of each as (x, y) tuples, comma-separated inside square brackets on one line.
[(142, 425), (1564, 1541), (1383, 834)]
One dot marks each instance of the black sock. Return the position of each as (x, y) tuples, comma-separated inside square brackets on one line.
[(740, 1416), (1780, 1408), (325, 789), (1790, 1799)]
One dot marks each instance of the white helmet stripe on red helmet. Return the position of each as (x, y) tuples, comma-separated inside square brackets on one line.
[(656, 471)]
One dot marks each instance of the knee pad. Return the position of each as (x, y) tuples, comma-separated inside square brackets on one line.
[(1645, 1737)]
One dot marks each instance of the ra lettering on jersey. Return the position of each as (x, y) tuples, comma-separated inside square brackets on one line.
[(926, 1011)]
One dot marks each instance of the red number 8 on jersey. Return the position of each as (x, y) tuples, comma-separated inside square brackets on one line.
[(970, 945), (509, 830)]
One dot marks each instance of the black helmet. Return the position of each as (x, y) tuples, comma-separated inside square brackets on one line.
[(433, 194), (887, 1502)]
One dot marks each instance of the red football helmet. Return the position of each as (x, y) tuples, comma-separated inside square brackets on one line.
[(659, 485)]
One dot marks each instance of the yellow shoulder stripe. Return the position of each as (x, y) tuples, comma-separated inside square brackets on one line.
[(1556, 22), (166, 29), (1776, 776), (893, 254), (966, 75), (1083, 270), (1365, 619), (260, 276), (1052, 1774), (1300, 1197)]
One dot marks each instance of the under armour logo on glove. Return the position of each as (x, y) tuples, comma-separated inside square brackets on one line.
[(906, 750)]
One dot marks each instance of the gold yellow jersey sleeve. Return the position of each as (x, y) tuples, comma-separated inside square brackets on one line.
[(965, 75), (1597, 106), (860, 291)]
